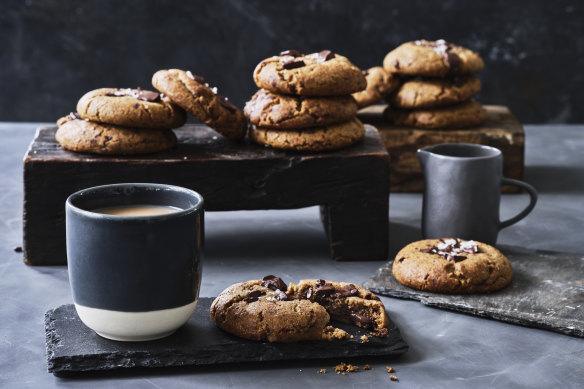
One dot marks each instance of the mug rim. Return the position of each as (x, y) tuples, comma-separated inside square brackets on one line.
[(96, 215), (495, 151)]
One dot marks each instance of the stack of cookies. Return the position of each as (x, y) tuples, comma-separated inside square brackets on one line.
[(437, 86), (120, 121), (305, 103)]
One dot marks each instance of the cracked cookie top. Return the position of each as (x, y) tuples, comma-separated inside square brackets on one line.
[(452, 266), (79, 135), (271, 110), (434, 92), (130, 108), (318, 74), (432, 59), (194, 94)]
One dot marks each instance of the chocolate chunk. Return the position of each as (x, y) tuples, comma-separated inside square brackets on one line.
[(199, 79), (309, 293), (458, 258), (324, 56), (453, 61), (323, 291), (274, 283), (18, 249), (362, 320), (293, 64), (292, 53), (365, 72), (396, 64), (450, 249), (346, 291), (146, 95), (320, 283), (226, 104), (281, 295), (253, 296)]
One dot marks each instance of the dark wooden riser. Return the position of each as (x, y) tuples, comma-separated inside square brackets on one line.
[(350, 185), (501, 130)]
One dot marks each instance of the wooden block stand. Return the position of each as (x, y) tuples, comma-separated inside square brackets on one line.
[(501, 130), (350, 185)]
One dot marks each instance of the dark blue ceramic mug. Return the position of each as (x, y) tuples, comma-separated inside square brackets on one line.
[(135, 278)]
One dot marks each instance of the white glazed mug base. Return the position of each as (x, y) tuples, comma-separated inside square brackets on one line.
[(135, 326)]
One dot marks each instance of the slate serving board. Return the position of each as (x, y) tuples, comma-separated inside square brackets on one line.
[(73, 347), (547, 291)]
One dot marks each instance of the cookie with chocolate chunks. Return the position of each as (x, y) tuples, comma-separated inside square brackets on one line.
[(318, 74), (463, 115), (271, 110), (192, 93), (79, 135), (452, 266), (380, 83), (130, 108), (345, 302), (261, 310), (432, 59)]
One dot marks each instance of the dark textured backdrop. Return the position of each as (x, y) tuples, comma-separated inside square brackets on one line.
[(53, 51)]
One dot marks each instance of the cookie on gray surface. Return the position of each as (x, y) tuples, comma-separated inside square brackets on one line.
[(452, 266)]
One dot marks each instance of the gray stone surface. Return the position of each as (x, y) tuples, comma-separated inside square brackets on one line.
[(73, 347), (547, 291), (447, 349)]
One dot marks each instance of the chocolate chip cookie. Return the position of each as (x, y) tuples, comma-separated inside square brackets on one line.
[(130, 108), (465, 115), (271, 110), (84, 136), (345, 302), (452, 266), (194, 94), (261, 310), (379, 84), (318, 74), (329, 137), (434, 92), (432, 59)]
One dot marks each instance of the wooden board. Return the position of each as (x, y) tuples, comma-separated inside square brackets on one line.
[(501, 130), (351, 186), (547, 291), (72, 347)]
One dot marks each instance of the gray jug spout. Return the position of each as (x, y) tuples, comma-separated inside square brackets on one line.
[(423, 156)]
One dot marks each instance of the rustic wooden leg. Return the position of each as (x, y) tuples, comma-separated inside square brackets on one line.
[(357, 230)]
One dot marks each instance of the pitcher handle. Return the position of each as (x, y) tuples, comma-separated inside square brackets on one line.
[(532, 201)]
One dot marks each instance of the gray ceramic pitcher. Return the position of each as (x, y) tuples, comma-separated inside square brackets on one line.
[(463, 191)]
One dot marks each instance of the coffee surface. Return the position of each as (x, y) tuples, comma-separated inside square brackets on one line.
[(137, 210)]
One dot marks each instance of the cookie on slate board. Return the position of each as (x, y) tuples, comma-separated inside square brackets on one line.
[(130, 108), (261, 310), (318, 74), (271, 110), (193, 93), (345, 302), (452, 266), (468, 114), (432, 59), (434, 92), (329, 137), (76, 134), (379, 84)]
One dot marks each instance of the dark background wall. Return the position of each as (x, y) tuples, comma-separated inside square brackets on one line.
[(53, 51)]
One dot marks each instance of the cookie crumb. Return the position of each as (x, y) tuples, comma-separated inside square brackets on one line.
[(331, 333), (18, 249), (343, 368), (389, 369), (364, 339), (367, 367), (321, 371), (381, 333), (393, 378)]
